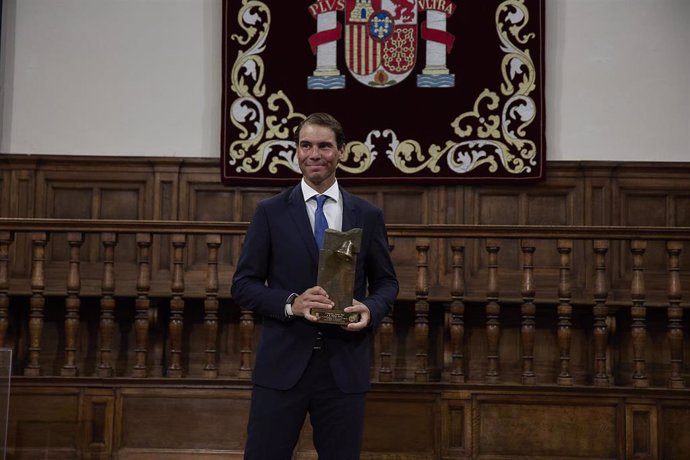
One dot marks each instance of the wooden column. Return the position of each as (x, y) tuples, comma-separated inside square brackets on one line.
[(528, 312), (143, 303), (247, 327), (421, 308), (675, 315), (37, 302), (639, 314), (565, 312), (211, 307), (107, 322), (493, 311), (600, 311), (72, 304), (457, 313), (179, 241), (5, 241), (385, 337)]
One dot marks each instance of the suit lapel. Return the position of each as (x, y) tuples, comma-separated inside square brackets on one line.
[(351, 217), (298, 212)]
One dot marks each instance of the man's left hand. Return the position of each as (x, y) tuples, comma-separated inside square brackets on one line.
[(364, 316)]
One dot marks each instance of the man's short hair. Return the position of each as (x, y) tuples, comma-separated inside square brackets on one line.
[(327, 121)]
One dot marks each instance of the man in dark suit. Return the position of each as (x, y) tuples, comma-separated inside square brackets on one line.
[(303, 366)]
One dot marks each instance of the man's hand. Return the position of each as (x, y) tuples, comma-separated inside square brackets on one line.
[(314, 297), (364, 316)]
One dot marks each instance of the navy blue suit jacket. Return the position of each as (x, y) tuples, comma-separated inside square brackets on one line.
[(279, 256)]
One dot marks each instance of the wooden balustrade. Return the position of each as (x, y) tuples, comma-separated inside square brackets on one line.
[(177, 306), (439, 334), (675, 315), (600, 311), (528, 311), (493, 312), (5, 241), (421, 310), (211, 307), (385, 339), (638, 313), (457, 312), (565, 312), (107, 322), (37, 302), (143, 304), (72, 304)]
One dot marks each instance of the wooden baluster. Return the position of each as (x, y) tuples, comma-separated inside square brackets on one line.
[(493, 311), (143, 303), (179, 242), (37, 302), (107, 321), (638, 314), (528, 312), (675, 315), (246, 336), (565, 313), (600, 311), (385, 335), (421, 308), (72, 303), (211, 307), (457, 312), (5, 241)]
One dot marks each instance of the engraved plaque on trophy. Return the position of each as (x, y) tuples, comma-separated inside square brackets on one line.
[(337, 262)]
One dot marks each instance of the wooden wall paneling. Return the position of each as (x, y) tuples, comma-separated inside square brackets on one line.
[(166, 198), (172, 423), (44, 420), (97, 423), (596, 205), (496, 206), (126, 419), (674, 419), (643, 198), (681, 217), (551, 204), (544, 427), (456, 425), (22, 180), (641, 430), (401, 425), (401, 205), (4, 190), (204, 198), (93, 190), (22, 204)]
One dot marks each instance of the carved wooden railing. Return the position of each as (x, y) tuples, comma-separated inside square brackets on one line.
[(440, 332)]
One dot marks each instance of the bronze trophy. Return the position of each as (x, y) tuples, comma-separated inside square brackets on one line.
[(337, 262)]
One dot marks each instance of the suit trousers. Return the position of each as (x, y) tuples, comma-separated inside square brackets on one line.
[(277, 416)]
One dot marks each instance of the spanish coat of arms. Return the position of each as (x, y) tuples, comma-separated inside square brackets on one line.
[(429, 91)]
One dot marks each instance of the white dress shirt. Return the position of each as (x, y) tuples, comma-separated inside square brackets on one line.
[(333, 208)]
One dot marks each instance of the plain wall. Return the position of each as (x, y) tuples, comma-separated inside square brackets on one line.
[(143, 77)]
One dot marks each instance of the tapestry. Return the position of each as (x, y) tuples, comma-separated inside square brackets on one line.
[(428, 91)]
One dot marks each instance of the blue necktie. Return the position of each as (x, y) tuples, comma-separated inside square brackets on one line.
[(320, 222)]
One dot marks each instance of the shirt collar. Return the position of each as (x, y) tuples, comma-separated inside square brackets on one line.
[(333, 191)]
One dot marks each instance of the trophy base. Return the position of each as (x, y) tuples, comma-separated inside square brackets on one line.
[(335, 316)]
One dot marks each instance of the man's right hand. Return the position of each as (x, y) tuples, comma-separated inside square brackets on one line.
[(314, 297)]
